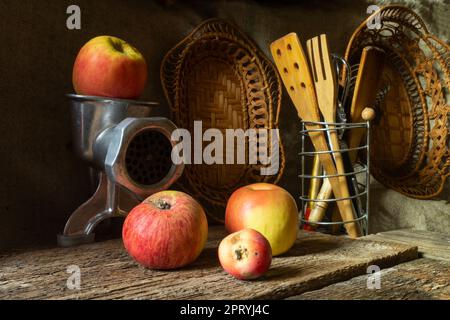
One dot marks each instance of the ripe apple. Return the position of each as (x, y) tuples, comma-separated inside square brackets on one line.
[(267, 208), (245, 254), (109, 67), (167, 230)]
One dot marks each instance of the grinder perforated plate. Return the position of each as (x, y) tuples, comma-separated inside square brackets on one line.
[(148, 157)]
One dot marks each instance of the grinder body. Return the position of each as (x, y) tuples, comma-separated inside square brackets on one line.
[(129, 148)]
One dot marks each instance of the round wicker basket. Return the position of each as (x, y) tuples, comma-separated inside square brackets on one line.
[(409, 141)]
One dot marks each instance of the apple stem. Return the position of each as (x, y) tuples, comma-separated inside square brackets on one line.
[(162, 204), (116, 45)]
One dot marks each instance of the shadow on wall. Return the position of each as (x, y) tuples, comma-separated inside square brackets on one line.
[(42, 181)]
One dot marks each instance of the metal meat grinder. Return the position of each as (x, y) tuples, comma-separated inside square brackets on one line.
[(129, 148)]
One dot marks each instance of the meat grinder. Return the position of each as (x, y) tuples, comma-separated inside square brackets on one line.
[(129, 148)]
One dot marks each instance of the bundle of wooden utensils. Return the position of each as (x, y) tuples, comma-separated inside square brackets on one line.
[(326, 92)]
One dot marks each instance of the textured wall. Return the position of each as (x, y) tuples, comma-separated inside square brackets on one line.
[(42, 182)]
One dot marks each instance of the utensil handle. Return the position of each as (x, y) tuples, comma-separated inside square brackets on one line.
[(339, 161), (318, 211), (357, 134), (314, 185)]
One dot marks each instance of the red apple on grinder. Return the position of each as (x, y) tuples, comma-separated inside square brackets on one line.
[(167, 230), (109, 67), (245, 254)]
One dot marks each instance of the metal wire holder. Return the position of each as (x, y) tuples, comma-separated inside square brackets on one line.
[(360, 171)]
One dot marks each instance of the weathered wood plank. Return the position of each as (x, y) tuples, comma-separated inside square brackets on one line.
[(420, 279), (107, 272), (431, 244)]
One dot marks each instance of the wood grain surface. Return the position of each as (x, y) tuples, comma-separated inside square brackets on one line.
[(107, 272), (433, 245), (420, 279), (424, 278)]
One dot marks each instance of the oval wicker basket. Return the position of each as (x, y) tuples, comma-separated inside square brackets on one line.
[(409, 141), (217, 75)]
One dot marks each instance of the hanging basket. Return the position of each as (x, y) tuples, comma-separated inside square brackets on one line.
[(409, 141), (216, 75)]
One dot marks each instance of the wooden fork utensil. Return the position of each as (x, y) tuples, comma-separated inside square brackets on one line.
[(364, 97), (323, 72)]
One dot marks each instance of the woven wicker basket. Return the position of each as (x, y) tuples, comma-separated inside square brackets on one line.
[(409, 142), (217, 75)]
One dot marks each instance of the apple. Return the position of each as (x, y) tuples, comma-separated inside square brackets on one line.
[(167, 230), (109, 67), (267, 208), (245, 254)]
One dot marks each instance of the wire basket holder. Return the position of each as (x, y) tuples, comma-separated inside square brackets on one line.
[(357, 175)]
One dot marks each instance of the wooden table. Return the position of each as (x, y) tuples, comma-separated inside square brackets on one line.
[(414, 265)]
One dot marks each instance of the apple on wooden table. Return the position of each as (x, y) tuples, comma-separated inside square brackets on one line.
[(109, 67), (268, 209), (245, 254), (167, 230)]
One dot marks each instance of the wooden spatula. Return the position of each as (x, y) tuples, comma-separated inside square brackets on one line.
[(366, 89), (291, 62)]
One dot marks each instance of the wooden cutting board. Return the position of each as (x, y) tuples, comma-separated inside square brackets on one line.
[(107, 272)]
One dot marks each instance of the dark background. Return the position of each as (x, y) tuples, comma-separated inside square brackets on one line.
[(41, 180)]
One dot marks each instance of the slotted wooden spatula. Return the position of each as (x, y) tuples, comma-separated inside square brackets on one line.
[(292, 64)]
